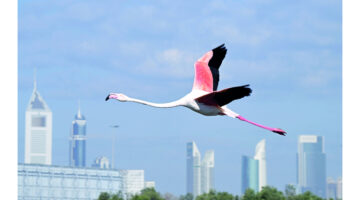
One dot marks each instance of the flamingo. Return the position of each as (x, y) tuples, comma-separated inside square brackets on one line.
[(204, 97)]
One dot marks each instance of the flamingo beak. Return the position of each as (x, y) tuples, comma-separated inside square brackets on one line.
[(110, 96)]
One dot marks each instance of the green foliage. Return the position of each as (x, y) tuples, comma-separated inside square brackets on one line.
[(267, 193), (270, 193), (104, 196), (249, 195), (188, 196), (107, 196), (306, 196), (213, 195), (148, 194), (290, 191)]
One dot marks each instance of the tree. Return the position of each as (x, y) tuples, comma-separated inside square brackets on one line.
[(307, 196), (108, 196), (270, 193), (290, 190), (104, 196), (249, 195), (148, 194), (188, 196), (213, 195)]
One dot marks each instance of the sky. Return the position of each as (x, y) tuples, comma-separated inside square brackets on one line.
[(290, 52)]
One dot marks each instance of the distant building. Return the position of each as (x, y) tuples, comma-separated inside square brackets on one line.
[(199, 173), (339, 188), (207, 171), (193, 171), (150, 184), (101, 162), (331, 191), (260, 155), (249, 174), (311, 165), (78, 141), (69, 183), (253, 170), (38, 130)]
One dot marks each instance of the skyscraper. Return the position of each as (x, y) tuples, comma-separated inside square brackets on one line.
[(331, 188), (311, 165), (38, 130), (254, 169), (249, 174), (207, 172), (339, 188), (261, 157), (193, 171), (78, 141)]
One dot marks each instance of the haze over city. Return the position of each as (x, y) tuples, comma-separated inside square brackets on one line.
[(289, 53)]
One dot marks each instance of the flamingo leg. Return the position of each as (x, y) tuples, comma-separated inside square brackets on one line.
[(275, 130)]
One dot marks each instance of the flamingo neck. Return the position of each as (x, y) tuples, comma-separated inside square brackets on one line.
[(256, 124), (157, 105)]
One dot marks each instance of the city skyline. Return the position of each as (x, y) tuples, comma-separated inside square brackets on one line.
[(289, 53)]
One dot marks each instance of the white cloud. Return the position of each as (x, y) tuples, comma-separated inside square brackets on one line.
[(170, 62)]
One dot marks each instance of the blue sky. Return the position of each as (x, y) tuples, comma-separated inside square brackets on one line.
[(288, 51)]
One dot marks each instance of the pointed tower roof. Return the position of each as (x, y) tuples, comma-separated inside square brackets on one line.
[(36, 101), (79, 116)]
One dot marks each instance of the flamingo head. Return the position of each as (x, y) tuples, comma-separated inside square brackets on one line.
[(120, 97)]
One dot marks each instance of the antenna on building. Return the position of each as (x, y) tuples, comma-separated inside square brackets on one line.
[(35, 78), (113, 147), (79, 113)]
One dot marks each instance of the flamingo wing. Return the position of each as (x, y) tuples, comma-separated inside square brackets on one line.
[(207, 69), (225, 96)]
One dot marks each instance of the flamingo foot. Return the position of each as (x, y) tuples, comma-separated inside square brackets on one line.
[(279, 131)]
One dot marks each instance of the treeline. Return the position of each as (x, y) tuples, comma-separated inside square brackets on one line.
[(267, 193)]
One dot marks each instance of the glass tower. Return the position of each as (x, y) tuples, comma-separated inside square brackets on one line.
[(311, 165), (250, 174), (207, 172), (78, 141), (38, 130), (254, 169), (261, 157), (193, 176)]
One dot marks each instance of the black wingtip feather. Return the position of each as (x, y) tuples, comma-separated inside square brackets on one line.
[(220, 48), (218, 56)]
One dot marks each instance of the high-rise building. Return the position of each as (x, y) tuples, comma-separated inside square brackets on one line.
[(193, 171), (331, 191), (261, 157), (311, 165), (249, 174), (38, 130), (254, 169), (339, 188), (78, 141), (207, 171)]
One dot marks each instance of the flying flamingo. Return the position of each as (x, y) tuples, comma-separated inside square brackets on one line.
[(204, 98)]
